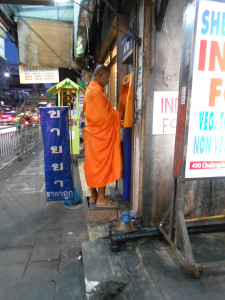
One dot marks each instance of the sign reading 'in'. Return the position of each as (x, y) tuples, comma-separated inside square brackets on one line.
[(165, 112)]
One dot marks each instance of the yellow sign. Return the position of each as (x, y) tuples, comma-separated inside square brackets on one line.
[(30, 74)]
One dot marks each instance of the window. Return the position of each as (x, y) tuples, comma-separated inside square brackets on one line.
[(111, 89)]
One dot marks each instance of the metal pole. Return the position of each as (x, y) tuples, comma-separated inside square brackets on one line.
[(59, 100), (179, 207), (71, 160), (173, 207), (135, 70)]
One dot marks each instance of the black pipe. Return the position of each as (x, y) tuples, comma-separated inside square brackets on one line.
[(206, 228), (118, 239)]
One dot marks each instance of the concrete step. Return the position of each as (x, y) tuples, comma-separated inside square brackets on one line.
[(119, 276), (93, 213), (97, 214)]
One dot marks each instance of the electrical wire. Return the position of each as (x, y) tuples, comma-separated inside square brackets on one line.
[(7, 33), (87, 29), (135, 36), (107, 35), (100, 18), (164, 81)]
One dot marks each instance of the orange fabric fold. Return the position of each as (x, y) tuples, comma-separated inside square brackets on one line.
[(103, 159)]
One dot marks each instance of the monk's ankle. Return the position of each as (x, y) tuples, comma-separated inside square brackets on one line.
[(92, 200), (94, 194), (100, 199)]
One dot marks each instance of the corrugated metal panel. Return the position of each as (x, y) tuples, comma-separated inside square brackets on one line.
[(29, 2), (56, 13), (33, 51)]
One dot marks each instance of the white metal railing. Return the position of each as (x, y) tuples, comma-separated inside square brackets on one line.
[(16, 141)]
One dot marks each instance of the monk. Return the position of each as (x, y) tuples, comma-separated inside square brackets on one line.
[(103, 160)]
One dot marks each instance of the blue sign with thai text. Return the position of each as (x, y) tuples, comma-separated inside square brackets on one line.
[(127, 47), (56, 143)]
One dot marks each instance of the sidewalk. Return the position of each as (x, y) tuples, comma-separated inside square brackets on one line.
[(39, 241), (148, 270)]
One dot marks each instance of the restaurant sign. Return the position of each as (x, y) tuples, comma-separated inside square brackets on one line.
[(34, 75), (165, 112), (205, 156)]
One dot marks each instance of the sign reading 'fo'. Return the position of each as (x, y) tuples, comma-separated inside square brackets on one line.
[(30, 74), (206, 135), (165, 112)]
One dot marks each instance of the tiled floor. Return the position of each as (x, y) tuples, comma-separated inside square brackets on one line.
[(39, 241)]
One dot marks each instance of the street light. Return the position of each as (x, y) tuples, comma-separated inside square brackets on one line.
[(6, 74)]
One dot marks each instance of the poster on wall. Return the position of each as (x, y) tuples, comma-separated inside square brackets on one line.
[(165, 112), (205, 155), (56, 144)]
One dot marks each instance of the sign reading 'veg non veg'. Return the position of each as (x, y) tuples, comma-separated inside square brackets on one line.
[(205, 155)]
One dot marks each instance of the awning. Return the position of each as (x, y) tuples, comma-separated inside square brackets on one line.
[(65, 84)]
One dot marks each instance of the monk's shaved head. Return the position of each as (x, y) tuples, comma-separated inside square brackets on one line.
[(101, 75), (101, 69)]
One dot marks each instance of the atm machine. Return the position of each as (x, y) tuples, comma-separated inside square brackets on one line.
[(126, 104)]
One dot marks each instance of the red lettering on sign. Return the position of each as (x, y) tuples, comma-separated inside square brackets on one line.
[(215, 53), (164, 125), (169, 105), (202, 55), (214, 92)]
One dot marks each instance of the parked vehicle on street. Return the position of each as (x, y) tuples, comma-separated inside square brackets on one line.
[(25, 120), (8, 118), (36, 117)]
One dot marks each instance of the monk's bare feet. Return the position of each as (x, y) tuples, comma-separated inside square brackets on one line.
[(94, 196), (105, 202), (92, 201)]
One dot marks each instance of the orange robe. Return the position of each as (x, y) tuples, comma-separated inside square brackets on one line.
[(103, 159)]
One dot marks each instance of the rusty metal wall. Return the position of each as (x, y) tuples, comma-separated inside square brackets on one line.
[(203, 198)]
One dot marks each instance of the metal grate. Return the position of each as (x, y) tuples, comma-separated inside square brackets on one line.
[(16, 141)]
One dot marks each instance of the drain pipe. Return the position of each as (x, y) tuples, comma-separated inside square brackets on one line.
[(119, 239), (206, 228)]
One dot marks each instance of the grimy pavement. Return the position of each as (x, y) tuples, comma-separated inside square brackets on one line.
[(40, 242)]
